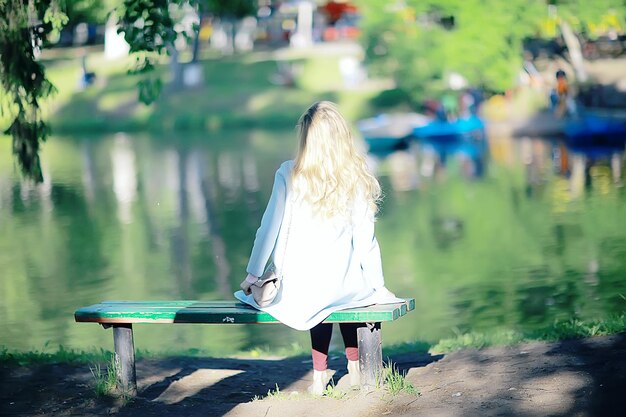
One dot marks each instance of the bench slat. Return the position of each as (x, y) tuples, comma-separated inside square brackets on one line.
[(213, 312), (176, 303)]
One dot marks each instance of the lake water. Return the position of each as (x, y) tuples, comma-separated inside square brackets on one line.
[(508, 234)]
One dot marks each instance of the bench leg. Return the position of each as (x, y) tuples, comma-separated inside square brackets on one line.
[(125, 358), (370, 355)]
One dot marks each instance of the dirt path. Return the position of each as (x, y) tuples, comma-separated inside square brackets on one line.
[(572, 378)]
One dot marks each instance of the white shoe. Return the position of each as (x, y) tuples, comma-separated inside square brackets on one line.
[(320, 380), (354, 371)]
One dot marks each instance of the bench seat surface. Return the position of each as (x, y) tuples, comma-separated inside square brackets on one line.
[(219, 312)]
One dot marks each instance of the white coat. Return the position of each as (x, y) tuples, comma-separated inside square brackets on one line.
[(326, 265)]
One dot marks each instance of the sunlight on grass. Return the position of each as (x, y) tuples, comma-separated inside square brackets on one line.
[(394, 381), (238, 92), (294, 349), (264, 105), (477, 340), (355, 104), (116, 101), (320, 74), (65, 73), (263, 101), (65, 78), (572, 328)]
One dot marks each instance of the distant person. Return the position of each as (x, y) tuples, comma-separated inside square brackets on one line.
[(87, 77), (564, 101), (318, 228)]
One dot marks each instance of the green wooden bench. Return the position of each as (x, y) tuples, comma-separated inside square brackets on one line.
[(121, 315)]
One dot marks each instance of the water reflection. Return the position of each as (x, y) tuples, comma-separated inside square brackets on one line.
[(411, 168), (404, 172), (510, 233), (124, 177), (505, 233)]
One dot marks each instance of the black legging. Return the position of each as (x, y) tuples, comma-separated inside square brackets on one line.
[(320, 340)]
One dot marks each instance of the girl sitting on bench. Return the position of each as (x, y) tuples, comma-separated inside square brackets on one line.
[(318, 229)]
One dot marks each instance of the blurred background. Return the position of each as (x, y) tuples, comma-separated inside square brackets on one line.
[(504, 201)]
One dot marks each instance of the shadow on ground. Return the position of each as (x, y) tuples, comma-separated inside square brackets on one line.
[(581, 378), (585, 377), (176, 386)]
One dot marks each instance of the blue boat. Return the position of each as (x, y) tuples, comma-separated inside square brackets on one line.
[(594, 130), (388, 132), (470, 127)]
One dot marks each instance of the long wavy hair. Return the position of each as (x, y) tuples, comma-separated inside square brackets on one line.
[(329, 171)]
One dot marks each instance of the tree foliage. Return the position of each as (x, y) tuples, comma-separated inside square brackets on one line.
[(149, 26), (23, 77), (228, 8), (591, 17), (87, 11), (421, 42)]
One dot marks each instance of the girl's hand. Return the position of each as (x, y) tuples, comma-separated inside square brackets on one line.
[(245, 286), (247, 283)]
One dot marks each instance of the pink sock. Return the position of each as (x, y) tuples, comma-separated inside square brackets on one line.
[(352, 353), (320, 360)]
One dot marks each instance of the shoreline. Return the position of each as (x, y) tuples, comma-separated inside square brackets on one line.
[(539, 124), (542, 124)]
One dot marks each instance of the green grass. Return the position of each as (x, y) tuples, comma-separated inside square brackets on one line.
[(64, 355), (333, 392), (237, 92), (477, 340), (275, 394), (576, 328), (61, 355), (572, 328), (294, 349), (406, 347), (395, 382), (105, 379)]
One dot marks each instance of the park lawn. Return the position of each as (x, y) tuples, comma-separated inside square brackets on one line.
[(237, 92)]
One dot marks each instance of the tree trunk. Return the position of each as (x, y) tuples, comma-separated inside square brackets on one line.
[(575, 52), (176, 68)]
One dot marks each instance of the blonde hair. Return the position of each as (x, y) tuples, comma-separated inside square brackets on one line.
[(329, 172)]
